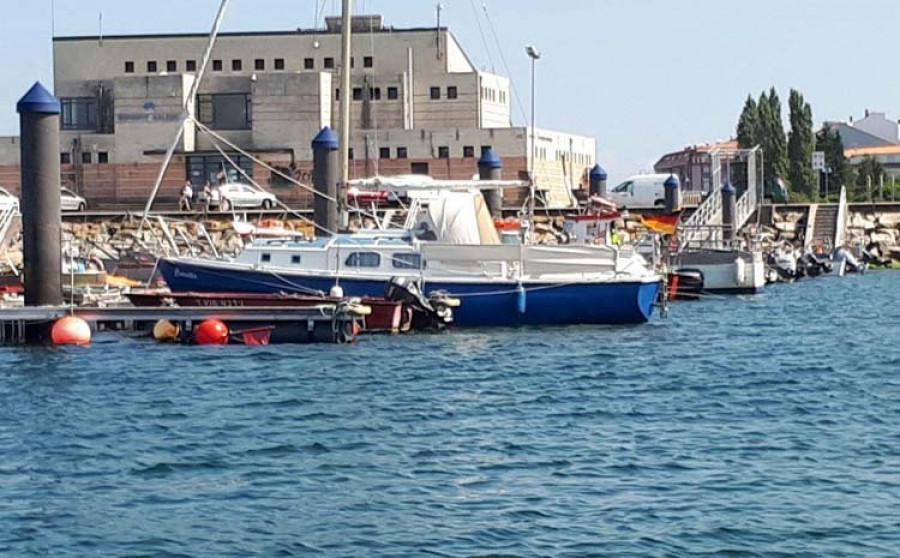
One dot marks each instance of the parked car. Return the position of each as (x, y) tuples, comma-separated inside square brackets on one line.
[(70, 201), (243, 196), (643, 190), (7, 200)]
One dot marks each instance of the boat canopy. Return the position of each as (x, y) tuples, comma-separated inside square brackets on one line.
[(458, 218), (415, 182)]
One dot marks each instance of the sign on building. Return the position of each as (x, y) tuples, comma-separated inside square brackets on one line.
[(818, 160)]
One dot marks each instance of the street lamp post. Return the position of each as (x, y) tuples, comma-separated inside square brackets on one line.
[(535, 56)]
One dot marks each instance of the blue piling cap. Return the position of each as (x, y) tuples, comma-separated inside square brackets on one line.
[(672, 182), (728, 188), (326, 139), (597, 173), (490, 160), (38, 100)]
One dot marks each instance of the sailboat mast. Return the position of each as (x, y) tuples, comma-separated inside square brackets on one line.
[(186, 111), (345, 100)]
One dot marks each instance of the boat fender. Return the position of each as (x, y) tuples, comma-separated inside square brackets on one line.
[(522, 298), (359, 309), (740, 271), (336, 292)]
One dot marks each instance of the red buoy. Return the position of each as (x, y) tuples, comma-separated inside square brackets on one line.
[(71, 330), (211, 332)]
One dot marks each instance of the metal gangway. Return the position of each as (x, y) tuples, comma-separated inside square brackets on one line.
[(704, 227)]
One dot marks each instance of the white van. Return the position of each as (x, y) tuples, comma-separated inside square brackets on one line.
[(643, 190)]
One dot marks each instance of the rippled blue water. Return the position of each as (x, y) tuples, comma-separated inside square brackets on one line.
[(753, 426)]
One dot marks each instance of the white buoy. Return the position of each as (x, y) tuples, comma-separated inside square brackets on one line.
[(336, 292)]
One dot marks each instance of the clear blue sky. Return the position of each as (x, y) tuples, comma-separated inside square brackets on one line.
[(643, 76)]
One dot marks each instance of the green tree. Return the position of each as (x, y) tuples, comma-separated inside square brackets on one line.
[(769, 134), (748, 132), (801, 145), (839, 171), (868, 176), (776, 152)]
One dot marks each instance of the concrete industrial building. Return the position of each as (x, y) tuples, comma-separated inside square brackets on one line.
[(419, 106)]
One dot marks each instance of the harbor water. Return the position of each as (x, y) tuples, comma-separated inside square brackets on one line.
[(738, 427)]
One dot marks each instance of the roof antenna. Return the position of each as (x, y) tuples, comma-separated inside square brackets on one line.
[(101, 28), (53, 18)]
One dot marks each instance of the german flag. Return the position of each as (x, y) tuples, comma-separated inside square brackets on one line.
[(663, 224)]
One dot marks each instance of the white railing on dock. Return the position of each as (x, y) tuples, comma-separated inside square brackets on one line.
[(701, 224), (840, 227)]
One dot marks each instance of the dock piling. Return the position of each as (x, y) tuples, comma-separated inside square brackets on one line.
[(326, 175), (490, 167), (672, 187), (40, 203), (598, 181), (729, 208)]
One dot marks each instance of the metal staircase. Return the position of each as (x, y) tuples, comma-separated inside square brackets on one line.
[(825, 224)]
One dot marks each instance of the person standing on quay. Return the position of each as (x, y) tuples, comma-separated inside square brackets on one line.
[(207, 198), (187, 192)]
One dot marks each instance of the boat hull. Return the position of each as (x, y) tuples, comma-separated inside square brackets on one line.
[(484, 304)]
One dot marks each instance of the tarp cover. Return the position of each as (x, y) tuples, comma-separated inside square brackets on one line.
[(461, 218)]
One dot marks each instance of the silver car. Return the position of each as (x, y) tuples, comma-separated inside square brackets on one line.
[(243, 196), (70, 201)]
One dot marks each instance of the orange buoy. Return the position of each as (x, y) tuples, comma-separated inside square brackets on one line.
[(164, 330), (71, 330), (211, 332)]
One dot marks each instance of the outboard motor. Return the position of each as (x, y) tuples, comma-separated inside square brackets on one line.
[(432, 313)]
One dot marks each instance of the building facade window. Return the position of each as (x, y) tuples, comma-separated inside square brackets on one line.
[(443, 152), (337, 94), (102, 157), (375, 93), (190, 65), (201, 169), (357, 93), (393, 93), (418, 168), (217, 65), (171, 66), (151, 67), (78, 113), (452, 92), (65, 158), (86, 157), (384, 153), (236, 65), (368, 62), (279, 63), (485, 148), (350, 154), (329, 63), (401, 153), (435, 93), (309, 63), (129, 67), (259, 64), (225, 111), (468, 151)]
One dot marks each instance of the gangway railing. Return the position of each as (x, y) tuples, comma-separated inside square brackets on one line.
[(704, 220), (840, 227)]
